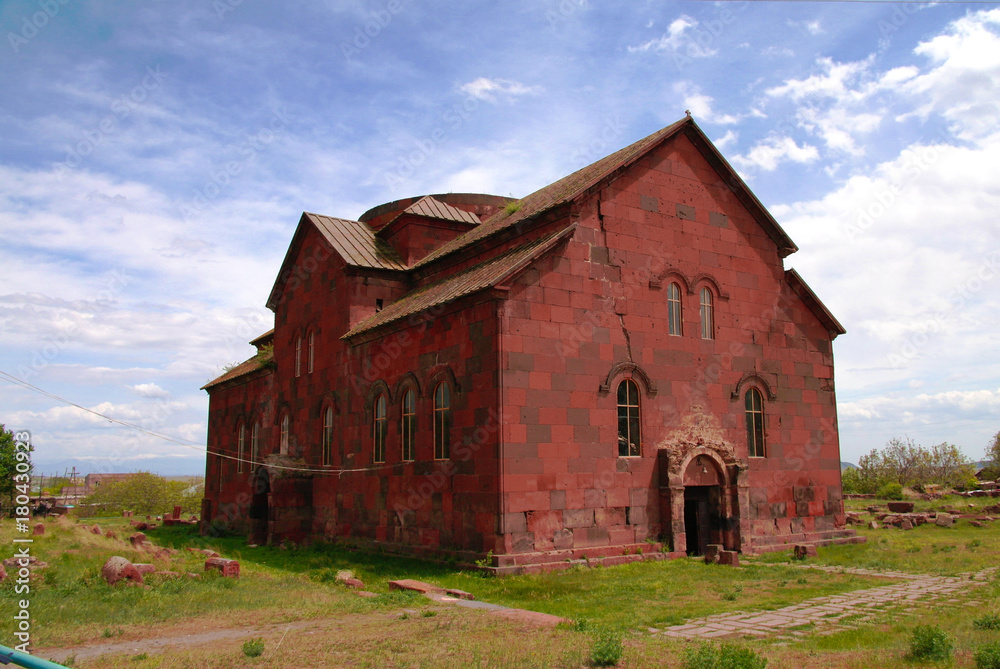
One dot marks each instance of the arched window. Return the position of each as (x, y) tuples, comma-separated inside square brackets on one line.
[(241, 436), (379, 429), (442, 421), (707, 315), (254, 443), (328, 436), (311, 354), (628, 418), (283, 439), (409, 423), (298, 357), (755, 423), (674, 309)]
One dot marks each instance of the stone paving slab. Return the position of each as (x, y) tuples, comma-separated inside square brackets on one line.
[(827, 611)]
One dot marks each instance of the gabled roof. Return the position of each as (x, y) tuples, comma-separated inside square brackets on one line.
[(814, 303), (578, 183), (246, 367), (482, 276), (354, 242), (264, 339), (432, 208)]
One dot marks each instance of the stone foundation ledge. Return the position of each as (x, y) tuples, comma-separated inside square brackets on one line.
[(787, 542)]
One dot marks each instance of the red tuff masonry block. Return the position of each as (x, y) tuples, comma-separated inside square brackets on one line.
[(618, 357)]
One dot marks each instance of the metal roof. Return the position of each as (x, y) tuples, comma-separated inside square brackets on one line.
[(432, 208), (474, 279), (356, 243)]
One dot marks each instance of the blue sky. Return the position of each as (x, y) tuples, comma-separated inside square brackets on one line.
[(155, 158)]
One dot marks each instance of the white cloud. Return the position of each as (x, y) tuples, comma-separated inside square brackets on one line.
[(700, 105), (680, 36), (149, 390), (726, 140), (771, 152), (492, 90)]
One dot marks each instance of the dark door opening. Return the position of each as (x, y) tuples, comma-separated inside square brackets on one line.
[(702, 521)]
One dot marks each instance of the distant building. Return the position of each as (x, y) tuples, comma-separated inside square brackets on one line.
[(93, 481), (618, 357)]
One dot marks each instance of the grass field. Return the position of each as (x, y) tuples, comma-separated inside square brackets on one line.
[(290, 599)]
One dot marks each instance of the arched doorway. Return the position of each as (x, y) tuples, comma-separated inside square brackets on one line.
[(703, 505), (259, 507)]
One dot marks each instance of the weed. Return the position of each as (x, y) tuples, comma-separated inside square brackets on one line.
[(930, 642), (975, 543), (726, 656), (485, 561), (405, 616), (512, 207), (70, 661), (581, 625), (802, 581), (990, 621), (427, 613), (987, 656), (607, 649), (140, 657), (253, 647), (913, 549)]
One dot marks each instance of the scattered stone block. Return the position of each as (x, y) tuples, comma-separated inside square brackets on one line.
[(144, 568), (944, 521), (140, 526), (906, 525), (177, 512), (802, 551), (730, 558), (228, 568), (209, 553), (417, 586), (712, 553), (110, 534), (976, 523), (95, 530), (137, 539), (3, 574), (365, 593), (873, 525), (118, 569), (900, 507), (460, 594), (38, 530)]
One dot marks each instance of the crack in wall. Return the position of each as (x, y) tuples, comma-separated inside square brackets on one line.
[(621, 270), (628, 339)]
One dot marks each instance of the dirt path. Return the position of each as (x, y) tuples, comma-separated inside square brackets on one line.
[(833, 612)]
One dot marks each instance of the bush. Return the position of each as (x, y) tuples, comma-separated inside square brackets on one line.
[(890, 491), (987, 656), (930, 642), (607, 649), (253, 647), (990, 621), (726, 656)]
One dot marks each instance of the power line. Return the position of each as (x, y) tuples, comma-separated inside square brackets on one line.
[(180, 441)]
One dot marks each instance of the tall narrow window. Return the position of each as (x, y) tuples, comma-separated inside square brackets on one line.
[(707, 315), (674, 309), (311, 354), (442, 422), (298, 357), (755, 423), (254, 443), (283, 440), (379, 429), (408, 424), (628, 418), (328, 436), (241, 435)]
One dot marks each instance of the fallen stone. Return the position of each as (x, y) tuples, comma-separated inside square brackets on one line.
[(944, 521), (140, 526), (110, 534), (906, 525), (228, 568), (137, 539), (365, 593), (919, 520), (416, 586), (900, 507), (3, 574), (712, 553), (460, 594), (38, 530), (802, 551), (872, 525), (144, 568), (976, 523), (730, 558), (16, 561), (118, 569), (209, 553), (346, 577), (95, 530)]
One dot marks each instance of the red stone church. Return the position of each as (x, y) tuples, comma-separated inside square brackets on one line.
[(614, 365)]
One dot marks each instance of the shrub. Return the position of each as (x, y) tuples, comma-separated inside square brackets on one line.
[(607, 649), (253, 647), (726, 656), (987, 656), (890, 491), (990, 621), (930, 642)]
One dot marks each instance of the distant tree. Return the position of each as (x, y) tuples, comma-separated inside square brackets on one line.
[(946, 465), (993, 456), (908, 464), (145, 494), (54, 485), (10, 477), (851, 480)]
